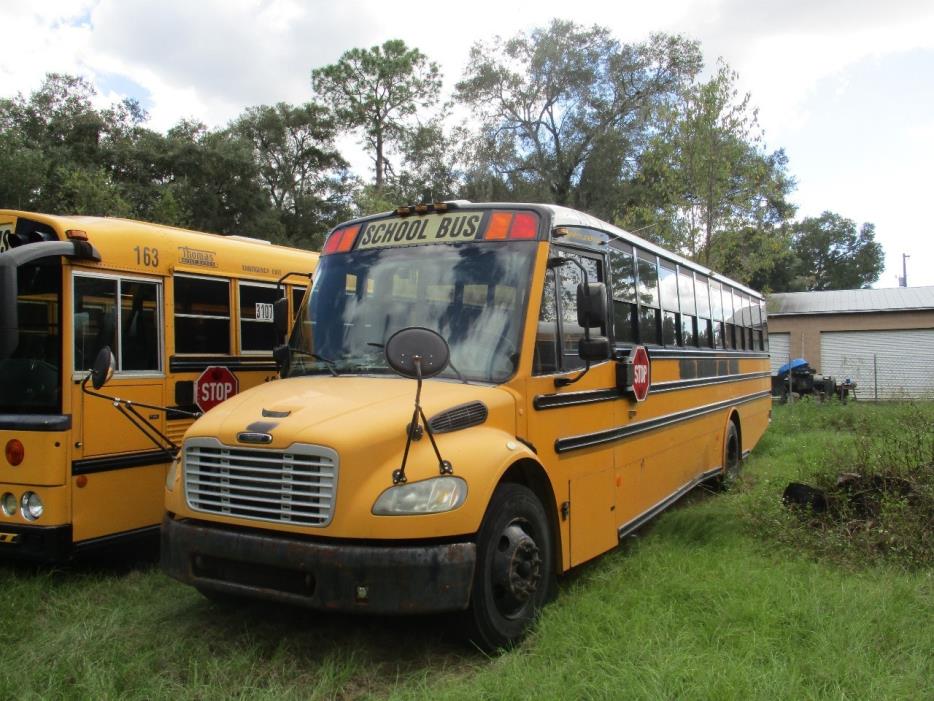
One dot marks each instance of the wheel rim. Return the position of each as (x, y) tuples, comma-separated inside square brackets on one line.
[(516, 571)]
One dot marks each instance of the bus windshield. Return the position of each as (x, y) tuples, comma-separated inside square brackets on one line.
[(30, 376), (473, 294)]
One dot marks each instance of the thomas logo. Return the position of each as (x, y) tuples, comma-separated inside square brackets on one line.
[(195, 256)]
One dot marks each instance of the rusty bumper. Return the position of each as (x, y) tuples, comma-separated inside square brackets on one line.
[(317, 574)]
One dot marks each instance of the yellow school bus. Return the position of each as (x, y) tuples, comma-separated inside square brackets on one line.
[(171, 304), (479, 397)]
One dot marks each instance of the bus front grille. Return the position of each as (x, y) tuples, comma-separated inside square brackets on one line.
[(295, 486)]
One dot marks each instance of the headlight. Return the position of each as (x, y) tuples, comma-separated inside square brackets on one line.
[(171, 474), (31, 506), (429, 496), (8, 504)]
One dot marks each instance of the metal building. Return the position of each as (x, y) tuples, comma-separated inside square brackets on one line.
[(881, 339)]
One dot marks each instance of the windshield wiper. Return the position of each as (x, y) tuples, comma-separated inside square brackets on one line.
[(330, 364)]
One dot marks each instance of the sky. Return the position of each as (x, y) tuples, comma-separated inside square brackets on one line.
[(846, 88)]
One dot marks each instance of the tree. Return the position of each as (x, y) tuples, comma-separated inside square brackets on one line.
[(299, 167), (706, 173), (832, 255), (379, 90), (563, 99)]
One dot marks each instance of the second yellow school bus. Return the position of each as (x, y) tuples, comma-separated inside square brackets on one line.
[(171, 303), (532, 452)]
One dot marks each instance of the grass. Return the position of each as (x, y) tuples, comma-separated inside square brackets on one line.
[(708, 602)]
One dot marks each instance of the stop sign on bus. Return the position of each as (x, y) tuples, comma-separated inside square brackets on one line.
[(641, 377), (215, 385)]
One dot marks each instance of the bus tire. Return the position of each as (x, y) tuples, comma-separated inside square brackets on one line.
[(515, 568), (732, 457)]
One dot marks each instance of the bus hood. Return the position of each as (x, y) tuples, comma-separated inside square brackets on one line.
[(343, 413)]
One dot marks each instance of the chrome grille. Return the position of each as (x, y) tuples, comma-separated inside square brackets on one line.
[(296, 485)]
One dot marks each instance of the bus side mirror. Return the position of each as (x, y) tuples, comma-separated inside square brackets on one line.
[(280, 317), (103, 369), (594, 349), (591, 304)]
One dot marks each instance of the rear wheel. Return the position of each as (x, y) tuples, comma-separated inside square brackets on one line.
[(732, 462), (515, 568)]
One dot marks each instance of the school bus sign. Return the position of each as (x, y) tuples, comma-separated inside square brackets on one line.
[(213, 386)]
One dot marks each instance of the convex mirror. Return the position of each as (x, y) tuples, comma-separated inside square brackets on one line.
[(417, 352), (103, 369)]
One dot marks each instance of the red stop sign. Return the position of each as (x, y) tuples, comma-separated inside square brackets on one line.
[(641, 372), (215, 385)]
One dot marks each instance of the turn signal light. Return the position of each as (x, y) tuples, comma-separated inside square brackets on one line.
[(15, 452)]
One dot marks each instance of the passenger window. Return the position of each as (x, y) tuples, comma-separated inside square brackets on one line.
[(704, 333), (688, 307), (668, 288), (649, 319), (623, 278), (257, 330), (716, 314), (131, 330), (202, 315)]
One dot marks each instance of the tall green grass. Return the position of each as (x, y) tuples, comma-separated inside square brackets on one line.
[(705, 603)]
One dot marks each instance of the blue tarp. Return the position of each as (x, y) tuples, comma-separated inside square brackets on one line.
[(788, 367)]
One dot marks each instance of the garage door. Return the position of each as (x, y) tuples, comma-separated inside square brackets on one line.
[(778, 349), (884, 364)]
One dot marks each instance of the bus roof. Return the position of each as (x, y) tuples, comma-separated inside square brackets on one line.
[(107, 233), (565, 216)]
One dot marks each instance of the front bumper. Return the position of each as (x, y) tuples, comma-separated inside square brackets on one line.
[(319, 575), (35, 543)]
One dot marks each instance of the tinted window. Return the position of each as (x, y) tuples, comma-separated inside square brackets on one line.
[(623, 277), (257, 330), (202, 315), (30, 377), (649, 320), (132, 331)]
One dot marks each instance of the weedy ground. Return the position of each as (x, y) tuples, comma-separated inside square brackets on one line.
[(727, 596)]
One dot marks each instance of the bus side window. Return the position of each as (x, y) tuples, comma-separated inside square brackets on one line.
[(139, 325), (95, 316), (716, 313), (257, 330), (623, 278), (649, 320), (668, 289), (545, 360), (688, 307), (202, 315), (131, 331), (704, 337)]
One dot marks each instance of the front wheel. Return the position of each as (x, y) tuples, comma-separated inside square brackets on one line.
[(515, 568)]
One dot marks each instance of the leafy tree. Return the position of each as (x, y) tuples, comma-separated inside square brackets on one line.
[(379, 90), (708, 189), (833, 255), (564, 99), (300, 169)]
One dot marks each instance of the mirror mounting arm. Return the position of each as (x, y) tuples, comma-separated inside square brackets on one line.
[(444, 466), (565, 381)]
